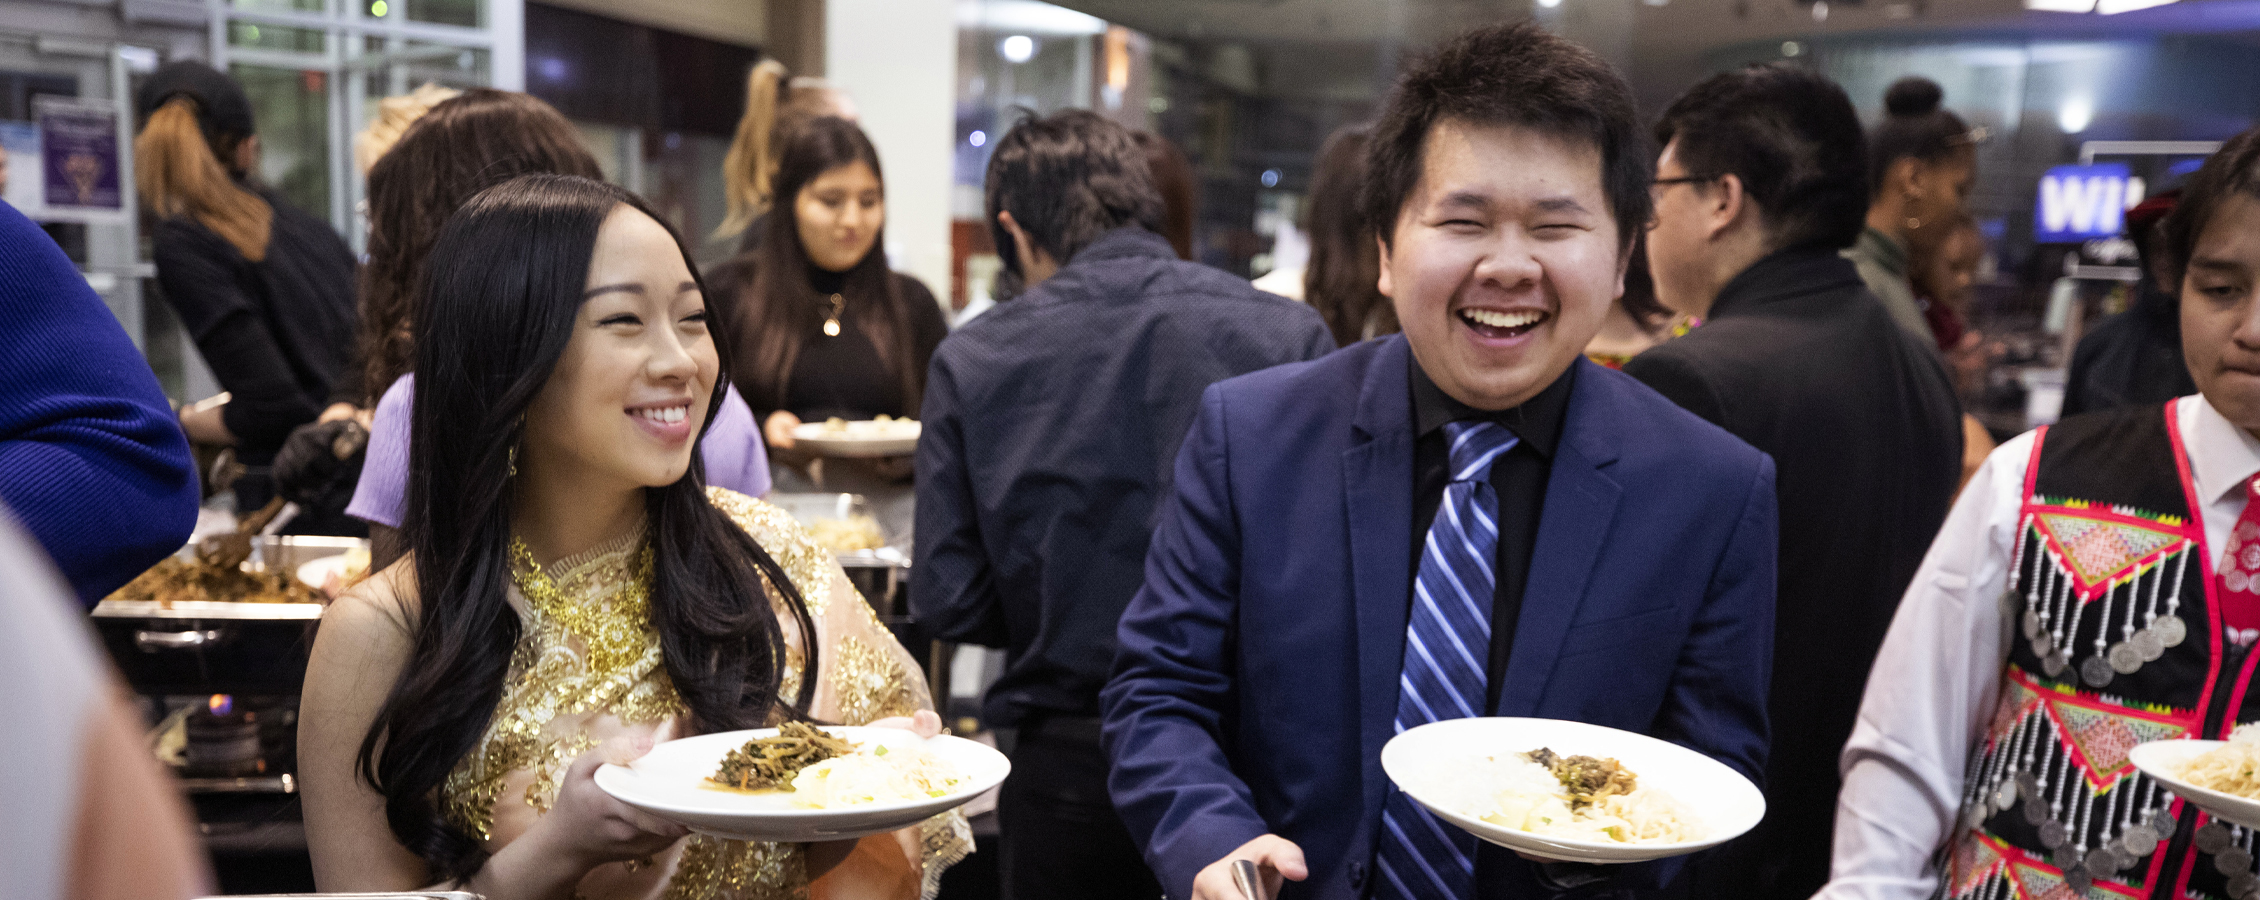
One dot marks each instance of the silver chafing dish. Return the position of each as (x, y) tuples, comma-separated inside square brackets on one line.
[(880, 573)]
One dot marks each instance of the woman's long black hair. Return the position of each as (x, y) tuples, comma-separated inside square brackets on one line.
[(502, 291), (778, 309)]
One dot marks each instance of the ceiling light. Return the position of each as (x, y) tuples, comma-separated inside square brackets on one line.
[(1820, 11), (2075, 115), (2115, 7), (1549, 4), (1791, 48), (1017, 49), (2062, 6)]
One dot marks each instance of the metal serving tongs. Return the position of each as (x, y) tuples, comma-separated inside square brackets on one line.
[(1248, 880)]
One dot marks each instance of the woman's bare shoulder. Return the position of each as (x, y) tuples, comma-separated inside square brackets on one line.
[(382, 606)]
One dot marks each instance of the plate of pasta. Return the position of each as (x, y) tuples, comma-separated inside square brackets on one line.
[(1572, 791), (802, 783), (2219, 777)]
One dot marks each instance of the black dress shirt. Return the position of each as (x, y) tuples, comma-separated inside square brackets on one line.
[(1052, 424), (1518, 477)]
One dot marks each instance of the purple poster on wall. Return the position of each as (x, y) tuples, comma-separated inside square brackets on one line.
[(78, 150)]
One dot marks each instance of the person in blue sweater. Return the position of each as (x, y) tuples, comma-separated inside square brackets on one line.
[(91, 458)]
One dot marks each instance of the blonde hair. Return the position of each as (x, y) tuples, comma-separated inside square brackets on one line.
[(394, 115), (177, 175), (774, 106)]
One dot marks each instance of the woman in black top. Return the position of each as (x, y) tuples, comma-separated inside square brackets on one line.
[(265, 290), (826, 330)]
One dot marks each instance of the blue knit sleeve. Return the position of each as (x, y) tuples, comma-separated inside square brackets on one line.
[(92, 459)]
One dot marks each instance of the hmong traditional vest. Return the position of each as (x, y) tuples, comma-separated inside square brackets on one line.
[(2115, 644)]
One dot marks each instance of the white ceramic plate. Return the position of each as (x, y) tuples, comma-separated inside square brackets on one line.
[(868, 438), (2164, 761), (670, 782), (1430, 763), (316, 573)]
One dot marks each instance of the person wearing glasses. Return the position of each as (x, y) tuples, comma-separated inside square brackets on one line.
[(1758, 188)]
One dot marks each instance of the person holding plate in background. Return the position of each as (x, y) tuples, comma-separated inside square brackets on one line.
[(1465, 519), (2096, 585), (824, 328)]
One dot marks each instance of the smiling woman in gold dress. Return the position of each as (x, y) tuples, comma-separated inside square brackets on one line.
[(573, 594)]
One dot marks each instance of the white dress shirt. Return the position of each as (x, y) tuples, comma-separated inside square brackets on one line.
[(1938, 676)]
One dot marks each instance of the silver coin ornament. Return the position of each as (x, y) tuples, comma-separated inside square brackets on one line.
[(2244, 884), (2148, 645), (2028, 784), (2171, 630), (2233, 861), (2031, 624), (2043, 647), (2036, 812), (2052, 835), (2213, 838), (2101, 864), (2054, 664), (2067, 858), (2096, 671), (2005, 796), (2124, 659), (2077, 880), (2138, 842)]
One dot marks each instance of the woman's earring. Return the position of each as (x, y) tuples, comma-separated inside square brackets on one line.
[(513, 461), (1914, 223)]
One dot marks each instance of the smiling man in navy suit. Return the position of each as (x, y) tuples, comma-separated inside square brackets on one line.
[(1467, 519)]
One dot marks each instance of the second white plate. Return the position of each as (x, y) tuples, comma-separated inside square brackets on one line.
[(1429, 763)]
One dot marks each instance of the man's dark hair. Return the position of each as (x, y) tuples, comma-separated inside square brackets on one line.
[(1791, 136), (1067, 178), (2232, 170), (1517, 75)]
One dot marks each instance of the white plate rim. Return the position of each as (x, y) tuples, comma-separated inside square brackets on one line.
[(1570, 849)]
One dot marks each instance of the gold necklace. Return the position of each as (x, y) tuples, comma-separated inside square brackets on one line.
[(832, 320), (615, 630)]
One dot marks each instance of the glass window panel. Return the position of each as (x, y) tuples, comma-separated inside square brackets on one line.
[(291, 107), (467, 13), (276, 37)]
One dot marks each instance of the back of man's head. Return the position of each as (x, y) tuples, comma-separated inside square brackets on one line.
[(1067, 178), (1516, 75), (1791, 136)]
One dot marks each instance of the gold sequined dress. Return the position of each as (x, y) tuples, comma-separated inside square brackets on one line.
[(587, 668)]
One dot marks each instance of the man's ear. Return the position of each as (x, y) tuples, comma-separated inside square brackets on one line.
[(1728, 201), (1386, 289)]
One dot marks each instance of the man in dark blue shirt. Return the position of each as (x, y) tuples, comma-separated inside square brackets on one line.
[(1051, 425)]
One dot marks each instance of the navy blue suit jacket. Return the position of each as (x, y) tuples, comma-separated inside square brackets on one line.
[(1257, 676)]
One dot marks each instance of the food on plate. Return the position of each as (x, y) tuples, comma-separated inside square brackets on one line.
[(883, 427), (769, 764), (874, 775), (854, 534), (176, 580), (2231, 768), (1577, 797)]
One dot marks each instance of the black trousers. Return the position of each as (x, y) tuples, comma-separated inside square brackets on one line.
[(1059, 836)]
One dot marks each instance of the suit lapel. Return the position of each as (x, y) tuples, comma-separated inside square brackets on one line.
[(1377, 483), (1581, 501)]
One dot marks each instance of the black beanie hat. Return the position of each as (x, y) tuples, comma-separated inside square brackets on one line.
[(222, 109)]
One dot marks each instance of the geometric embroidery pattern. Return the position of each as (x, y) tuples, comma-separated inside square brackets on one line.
[(2033, 884), (1973, 862), (2099, 550), (2104, 739)]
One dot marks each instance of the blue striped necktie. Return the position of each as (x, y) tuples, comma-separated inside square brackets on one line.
[(1447, 647)]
